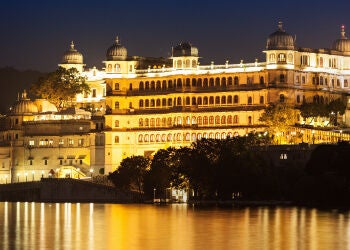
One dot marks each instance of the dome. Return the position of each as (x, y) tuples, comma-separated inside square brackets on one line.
[(185, 49), (72, 56), (44, 106), (24, 106), (343, 43), (280, 40), (116, 51)]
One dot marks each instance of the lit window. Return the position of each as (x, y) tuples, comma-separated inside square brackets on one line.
[(70, 142), (81, 142)]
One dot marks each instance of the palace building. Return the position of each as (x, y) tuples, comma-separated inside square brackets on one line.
[(139, 105)]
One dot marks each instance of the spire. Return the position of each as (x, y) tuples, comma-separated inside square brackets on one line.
[(72, 45), (280, 25), (342, 31)]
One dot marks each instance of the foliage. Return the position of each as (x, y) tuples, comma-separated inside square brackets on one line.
[(278, 117), (131, 173), (60, 86)]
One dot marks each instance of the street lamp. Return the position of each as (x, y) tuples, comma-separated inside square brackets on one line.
[(154, 194), (33, 172), (26, 174)]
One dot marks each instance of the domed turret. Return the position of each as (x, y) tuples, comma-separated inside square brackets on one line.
[(24, 106), (343, 43), (185, 49), (72, 56), (116, 52), (280, 40)]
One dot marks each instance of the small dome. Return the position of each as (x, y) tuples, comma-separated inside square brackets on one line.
[(185, 49), (116, 52), (72, 56), (280, 40), (343, 43), (44, 106), (24, 106)]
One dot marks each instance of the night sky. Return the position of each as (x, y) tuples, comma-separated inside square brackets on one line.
[(35, 34)]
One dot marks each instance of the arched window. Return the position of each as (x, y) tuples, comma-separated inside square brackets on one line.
[(141, 86), (211, 100), (261, 99), (282, 98), (140, 122), (223, 100), (169, 137), (116, 123), (194, 63), (282, 78), (157, 122), (229, 81), (188, 120), (116, 86), (153, 85), (116, 105), (211, 82), (194, 82), (169, 121), (152, 103), (140, 138), (179, 83), (141, 103), (193, 101), (146, 138), (223, 82), (217, 100), (199, 101), (217, 82), (146, 122), (179, 103), (262, 80), (188, 101), (147, 85), (158, 102), (199, 120), (211, 120), (229, 99), (151, 123), (147, 103), (205, 100), (163, 122), (249, 120), (205, 82), (170, 84), (205, 120), (199, 83), (179, 64), (217, 119), (164, 85), (116, 139), (164, 102), (229, 119), (223, 119), (250, 100), (321, 80), (158, 85), (130, 86), (188, 82), (236, 80), (170, 102), (188, 63), (235, 119), (193, 120), (235, 99)]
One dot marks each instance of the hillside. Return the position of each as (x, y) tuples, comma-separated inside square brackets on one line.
[(14, 81)]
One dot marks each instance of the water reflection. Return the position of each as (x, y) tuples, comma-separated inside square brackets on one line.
[(111, 226)]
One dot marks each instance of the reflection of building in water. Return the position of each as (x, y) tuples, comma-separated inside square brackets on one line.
[(140, 105)]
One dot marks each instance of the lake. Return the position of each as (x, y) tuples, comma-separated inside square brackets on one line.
[(25, 225)]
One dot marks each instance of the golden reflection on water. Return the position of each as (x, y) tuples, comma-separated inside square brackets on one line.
[(112, 226)]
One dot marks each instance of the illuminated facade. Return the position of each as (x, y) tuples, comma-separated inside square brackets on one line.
[(140, 105)]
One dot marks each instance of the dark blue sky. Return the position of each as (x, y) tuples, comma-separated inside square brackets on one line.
[(35, 34)]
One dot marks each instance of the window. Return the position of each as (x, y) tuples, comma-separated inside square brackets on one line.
[(272, 57), (236, 80), (140, 122), (70, 142), (45, 162), (141, 103), (81, 142), (116, 139), (116, 105), (261, 100), (116, 86), (261, 80), (282, 78), (61, 142), (281, 57), (235, 119), (249, 120), (250, 100), (282, 98), (93, 92), (141, 86), (31, 143), (235, 99), (116, 123), (298, 98)]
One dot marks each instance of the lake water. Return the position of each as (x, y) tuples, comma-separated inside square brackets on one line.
[(177, 226)]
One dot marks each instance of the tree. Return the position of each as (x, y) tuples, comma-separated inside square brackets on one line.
[(131, 173), (60, 87), (278, 117), (313, 110), (336, 107)]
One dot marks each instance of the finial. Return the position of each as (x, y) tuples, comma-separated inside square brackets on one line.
[(18, 96), (342, 31), (72, 45), (280, 25), (117, 40)]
